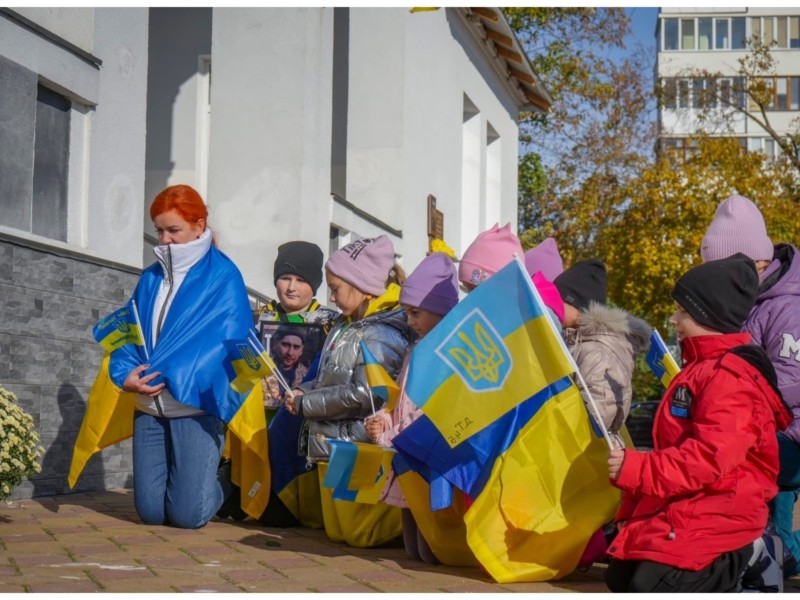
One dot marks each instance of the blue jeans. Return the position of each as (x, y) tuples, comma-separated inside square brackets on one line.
[(782, 506), (175, 464)]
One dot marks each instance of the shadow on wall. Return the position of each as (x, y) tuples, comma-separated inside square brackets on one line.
[(55, 463)]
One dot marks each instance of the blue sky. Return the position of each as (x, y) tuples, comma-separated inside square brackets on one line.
[(644, 24)]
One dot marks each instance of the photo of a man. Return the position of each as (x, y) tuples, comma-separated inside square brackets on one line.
[(287, 346)]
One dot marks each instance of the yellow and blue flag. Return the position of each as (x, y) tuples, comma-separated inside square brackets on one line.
[(660, 360), (117, 329), (494, 350), (380, 382), (246, 363), (209, 308), (536, 470), (357, 472)]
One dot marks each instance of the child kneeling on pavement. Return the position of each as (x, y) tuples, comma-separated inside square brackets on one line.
[(694, 509)]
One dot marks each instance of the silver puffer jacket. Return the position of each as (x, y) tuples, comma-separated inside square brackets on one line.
[(337, 401)]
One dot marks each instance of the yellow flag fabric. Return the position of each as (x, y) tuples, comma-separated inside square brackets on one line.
[(545, 497), (444, 530), (108, 420), (247, 363), (246, 445), (660, 361), (493, 351), (302, 497), (357, 472), (117, 329), (380, 382), (357, 524)]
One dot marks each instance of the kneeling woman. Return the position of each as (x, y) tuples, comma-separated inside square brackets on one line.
[(191, 300), (364, 283)]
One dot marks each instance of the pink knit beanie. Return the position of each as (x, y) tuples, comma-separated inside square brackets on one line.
[(544, 258), (491, 251), (364, 264), (738, 226)]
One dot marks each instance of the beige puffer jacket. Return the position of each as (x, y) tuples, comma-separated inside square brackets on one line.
[(605, 345)]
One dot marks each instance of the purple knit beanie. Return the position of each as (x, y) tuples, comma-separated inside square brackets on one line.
[(492, 250), (544, 258), (738, 226), (433, 286), (364, 264)]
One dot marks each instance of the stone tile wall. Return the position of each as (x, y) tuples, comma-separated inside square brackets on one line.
[(49, 359)]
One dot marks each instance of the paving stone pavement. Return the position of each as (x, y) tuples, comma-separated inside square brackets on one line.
[(94, 542)]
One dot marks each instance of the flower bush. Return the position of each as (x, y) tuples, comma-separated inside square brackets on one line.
[(19, 444)]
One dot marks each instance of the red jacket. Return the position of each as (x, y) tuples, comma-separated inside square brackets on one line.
[(704, 489)]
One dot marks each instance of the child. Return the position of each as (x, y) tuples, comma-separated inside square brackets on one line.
[(604, 341), (363, 279), (774, 323), (492, 250), (693, 508), (427, 296)]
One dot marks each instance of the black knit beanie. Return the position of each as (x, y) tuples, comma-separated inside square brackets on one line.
[(303, 259), (583, 282), (720, 293)]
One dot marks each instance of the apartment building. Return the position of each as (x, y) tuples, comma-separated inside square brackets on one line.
[(699, 73)]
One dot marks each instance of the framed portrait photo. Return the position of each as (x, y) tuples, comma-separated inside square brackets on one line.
[(294, 347)]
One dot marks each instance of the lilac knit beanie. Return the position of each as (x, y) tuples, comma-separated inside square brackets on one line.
[(544, 258), (492, 250), (433, 286), (738, 226), (364, 264)]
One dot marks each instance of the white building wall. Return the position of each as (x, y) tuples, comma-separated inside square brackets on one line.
[(107, 122), (117, 136), (443, 64), (180, 37), (269, 171)]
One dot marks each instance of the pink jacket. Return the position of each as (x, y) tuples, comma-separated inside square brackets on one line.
[(404, 413)]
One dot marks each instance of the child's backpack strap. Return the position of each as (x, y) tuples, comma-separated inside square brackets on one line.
[(756, 356)]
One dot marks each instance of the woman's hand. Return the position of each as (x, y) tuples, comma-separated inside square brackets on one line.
[(291, 399), (615, 460), (375, 426), (138, 385)]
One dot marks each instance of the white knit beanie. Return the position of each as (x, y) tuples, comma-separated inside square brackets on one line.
[(738, 226)]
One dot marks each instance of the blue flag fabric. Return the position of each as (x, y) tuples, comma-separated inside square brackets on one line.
[(210, 306), (660, 361)]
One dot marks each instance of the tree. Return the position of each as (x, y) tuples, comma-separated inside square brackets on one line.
[(748, 91), (656, 233), (597, 134)]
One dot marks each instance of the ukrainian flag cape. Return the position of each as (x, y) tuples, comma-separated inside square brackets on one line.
[(210, 307), (536, 469)]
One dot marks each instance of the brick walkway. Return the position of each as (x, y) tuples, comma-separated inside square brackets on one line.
[(95, 543)]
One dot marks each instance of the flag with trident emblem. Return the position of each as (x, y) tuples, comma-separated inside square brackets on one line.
[(520, 442), (494, 350)]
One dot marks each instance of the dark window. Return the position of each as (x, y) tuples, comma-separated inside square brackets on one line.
[(738, 33), (50, 164), (670, 34), (722, 34)]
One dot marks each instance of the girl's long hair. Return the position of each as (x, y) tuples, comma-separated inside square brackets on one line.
[(396, 275)]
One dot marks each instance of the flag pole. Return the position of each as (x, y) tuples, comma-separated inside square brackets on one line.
[(544, 309), (276, 371), (141, 330)]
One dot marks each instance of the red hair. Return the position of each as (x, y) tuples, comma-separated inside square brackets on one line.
[(184, 200)]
